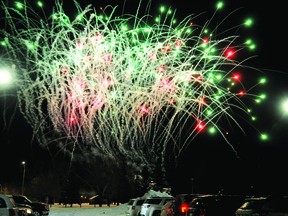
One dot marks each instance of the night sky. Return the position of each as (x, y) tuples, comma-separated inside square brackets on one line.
[(209, 161)]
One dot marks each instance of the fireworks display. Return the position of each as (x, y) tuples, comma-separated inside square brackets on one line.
[(129, 86)]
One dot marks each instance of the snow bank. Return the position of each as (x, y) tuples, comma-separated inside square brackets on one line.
[(153, 193)]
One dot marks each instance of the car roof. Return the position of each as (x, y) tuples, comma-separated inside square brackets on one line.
[(255, 198)]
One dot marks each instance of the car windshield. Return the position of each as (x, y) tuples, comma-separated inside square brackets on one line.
[(131, 202), (252, 204), (140, 202), (204, 201), (153, 201), (21, 199), (188, 197)]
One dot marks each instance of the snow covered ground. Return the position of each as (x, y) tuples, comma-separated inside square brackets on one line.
[(90, 210)]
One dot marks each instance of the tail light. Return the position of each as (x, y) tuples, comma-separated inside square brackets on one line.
[(170, 212), (184, 207)]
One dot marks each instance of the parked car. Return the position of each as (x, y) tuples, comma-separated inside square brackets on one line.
[(39, 208), (251, 207), (152, 206), (134, 206), (8, 206), (215, 205), (168, 208), (181, 204), (274, 205)]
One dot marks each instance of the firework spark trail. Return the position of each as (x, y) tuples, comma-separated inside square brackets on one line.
[(96, 85)]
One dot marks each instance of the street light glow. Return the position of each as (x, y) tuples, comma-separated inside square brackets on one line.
[(5, 76), (284, 106)]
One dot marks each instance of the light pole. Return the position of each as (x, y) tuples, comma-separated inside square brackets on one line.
[(192, 185), (23, 177)]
